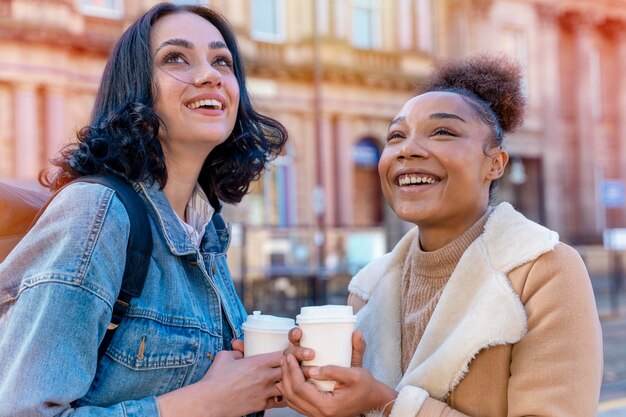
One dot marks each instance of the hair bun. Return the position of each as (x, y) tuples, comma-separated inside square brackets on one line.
[(494, 78)]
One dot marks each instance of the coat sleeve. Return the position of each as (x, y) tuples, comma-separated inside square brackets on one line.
[(556, 369), (69, 267)]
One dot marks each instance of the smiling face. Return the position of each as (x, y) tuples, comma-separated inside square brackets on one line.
[(197, 93), (434, 171)]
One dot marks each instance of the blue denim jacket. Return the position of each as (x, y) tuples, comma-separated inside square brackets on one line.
[(67, 273)]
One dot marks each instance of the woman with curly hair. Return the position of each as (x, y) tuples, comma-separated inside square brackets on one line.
[(173, 118), (477, 311)]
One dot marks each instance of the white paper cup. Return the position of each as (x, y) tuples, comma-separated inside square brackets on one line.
[(328, 331), (265, 333)]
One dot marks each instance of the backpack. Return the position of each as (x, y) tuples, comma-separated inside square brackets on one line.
[(20, 209)]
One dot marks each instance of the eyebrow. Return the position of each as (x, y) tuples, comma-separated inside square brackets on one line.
[(188, 45), (397, 120), (439, 116)]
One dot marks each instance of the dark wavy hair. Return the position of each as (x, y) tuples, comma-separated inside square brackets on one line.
[(121, 137), (491, 85)]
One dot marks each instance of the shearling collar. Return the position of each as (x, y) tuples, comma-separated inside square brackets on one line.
[(477, 309)]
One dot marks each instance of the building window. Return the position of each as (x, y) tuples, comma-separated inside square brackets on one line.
[(366, 24), (367, 201), (424, 25), (268, 20), (279, 192), (515, 44), (110, 9)]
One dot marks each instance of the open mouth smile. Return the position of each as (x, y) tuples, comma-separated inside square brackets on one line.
[(210, 104), (404, 180)]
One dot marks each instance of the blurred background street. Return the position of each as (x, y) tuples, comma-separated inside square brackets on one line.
[(335, 72)]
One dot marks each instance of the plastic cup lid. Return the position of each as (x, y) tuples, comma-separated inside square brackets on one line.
[(326, 314), (266, 323)]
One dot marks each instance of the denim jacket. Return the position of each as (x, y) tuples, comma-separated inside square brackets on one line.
[(67, 273)]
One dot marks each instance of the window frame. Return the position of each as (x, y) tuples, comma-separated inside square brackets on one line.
[(280, 16), (375, 29), (104, 12)]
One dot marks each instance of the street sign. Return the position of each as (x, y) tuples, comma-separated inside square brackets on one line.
[(613, 193), (614, 239)]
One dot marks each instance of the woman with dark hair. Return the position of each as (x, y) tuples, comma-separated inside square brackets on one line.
[(173, 118), (477, 311)]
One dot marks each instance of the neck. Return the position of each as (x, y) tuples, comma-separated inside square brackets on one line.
[(437, 235), (181, 181)]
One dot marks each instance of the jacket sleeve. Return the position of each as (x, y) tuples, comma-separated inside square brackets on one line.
[(556, 368), (70, 266)]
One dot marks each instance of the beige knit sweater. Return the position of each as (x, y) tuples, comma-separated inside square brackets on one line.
[(424, 276)]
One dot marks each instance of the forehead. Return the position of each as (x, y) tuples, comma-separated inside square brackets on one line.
[(184, 25), (422, 106)]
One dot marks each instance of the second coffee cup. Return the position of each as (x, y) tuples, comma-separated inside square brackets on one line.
[(265, 333), (328, 331)]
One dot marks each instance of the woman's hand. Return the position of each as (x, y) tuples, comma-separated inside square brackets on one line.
[(304, 354), (356, 391), (233, 386)]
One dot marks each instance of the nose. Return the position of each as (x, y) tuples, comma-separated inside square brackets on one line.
[(412, 148), (207, 75)]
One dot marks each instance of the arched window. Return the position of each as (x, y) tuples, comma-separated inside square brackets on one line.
[(367, 192), (279, 182)]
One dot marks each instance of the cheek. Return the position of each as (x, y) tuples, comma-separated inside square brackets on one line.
[(384, 163)]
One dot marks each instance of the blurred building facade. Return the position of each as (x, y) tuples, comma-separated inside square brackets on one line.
[(335, 72)]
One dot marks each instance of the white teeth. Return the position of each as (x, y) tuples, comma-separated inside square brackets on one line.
[(412, 179), (212, 103)]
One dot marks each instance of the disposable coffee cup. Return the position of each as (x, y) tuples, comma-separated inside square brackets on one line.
[(328, 331), (264, 333)]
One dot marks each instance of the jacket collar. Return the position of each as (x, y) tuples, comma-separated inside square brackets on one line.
[(167, 220), (477, 309)]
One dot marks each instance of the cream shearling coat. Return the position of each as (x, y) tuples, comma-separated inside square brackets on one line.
[(515, 332)]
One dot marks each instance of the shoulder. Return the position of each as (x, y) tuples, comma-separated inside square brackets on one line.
[(80, 239), (556, 274)]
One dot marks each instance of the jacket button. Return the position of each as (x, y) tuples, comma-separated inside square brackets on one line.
[(214, 269), (193, 263)]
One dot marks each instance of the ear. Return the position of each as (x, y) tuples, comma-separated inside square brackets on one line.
[(498, 158)]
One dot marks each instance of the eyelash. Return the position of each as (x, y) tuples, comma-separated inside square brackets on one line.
[(227, 61), (443, 132), (170, 58), (394, 135)]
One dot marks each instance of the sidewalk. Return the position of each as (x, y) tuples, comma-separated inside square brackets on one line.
[(613, 321)]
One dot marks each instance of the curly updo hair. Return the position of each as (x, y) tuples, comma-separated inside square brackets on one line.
[(491, 85), (122, 135)]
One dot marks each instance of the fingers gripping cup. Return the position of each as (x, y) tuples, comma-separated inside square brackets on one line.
[(328, 331), (265, 333)]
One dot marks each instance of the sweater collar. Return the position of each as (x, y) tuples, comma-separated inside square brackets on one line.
[(441, 262)]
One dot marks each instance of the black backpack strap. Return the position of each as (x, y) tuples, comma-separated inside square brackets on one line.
[(138, 250)]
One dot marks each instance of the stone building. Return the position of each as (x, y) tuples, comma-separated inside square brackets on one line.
[(335, 72)]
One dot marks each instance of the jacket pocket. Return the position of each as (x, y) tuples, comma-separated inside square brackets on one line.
[(145, 358)]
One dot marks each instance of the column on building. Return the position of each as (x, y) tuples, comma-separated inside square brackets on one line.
[(341, 20), (587, 172), (327, 165), (28, 149), (7, 144), (404, 25), (620, 44), (553, 159), (480, 25), (56, 132), (345, 171)]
